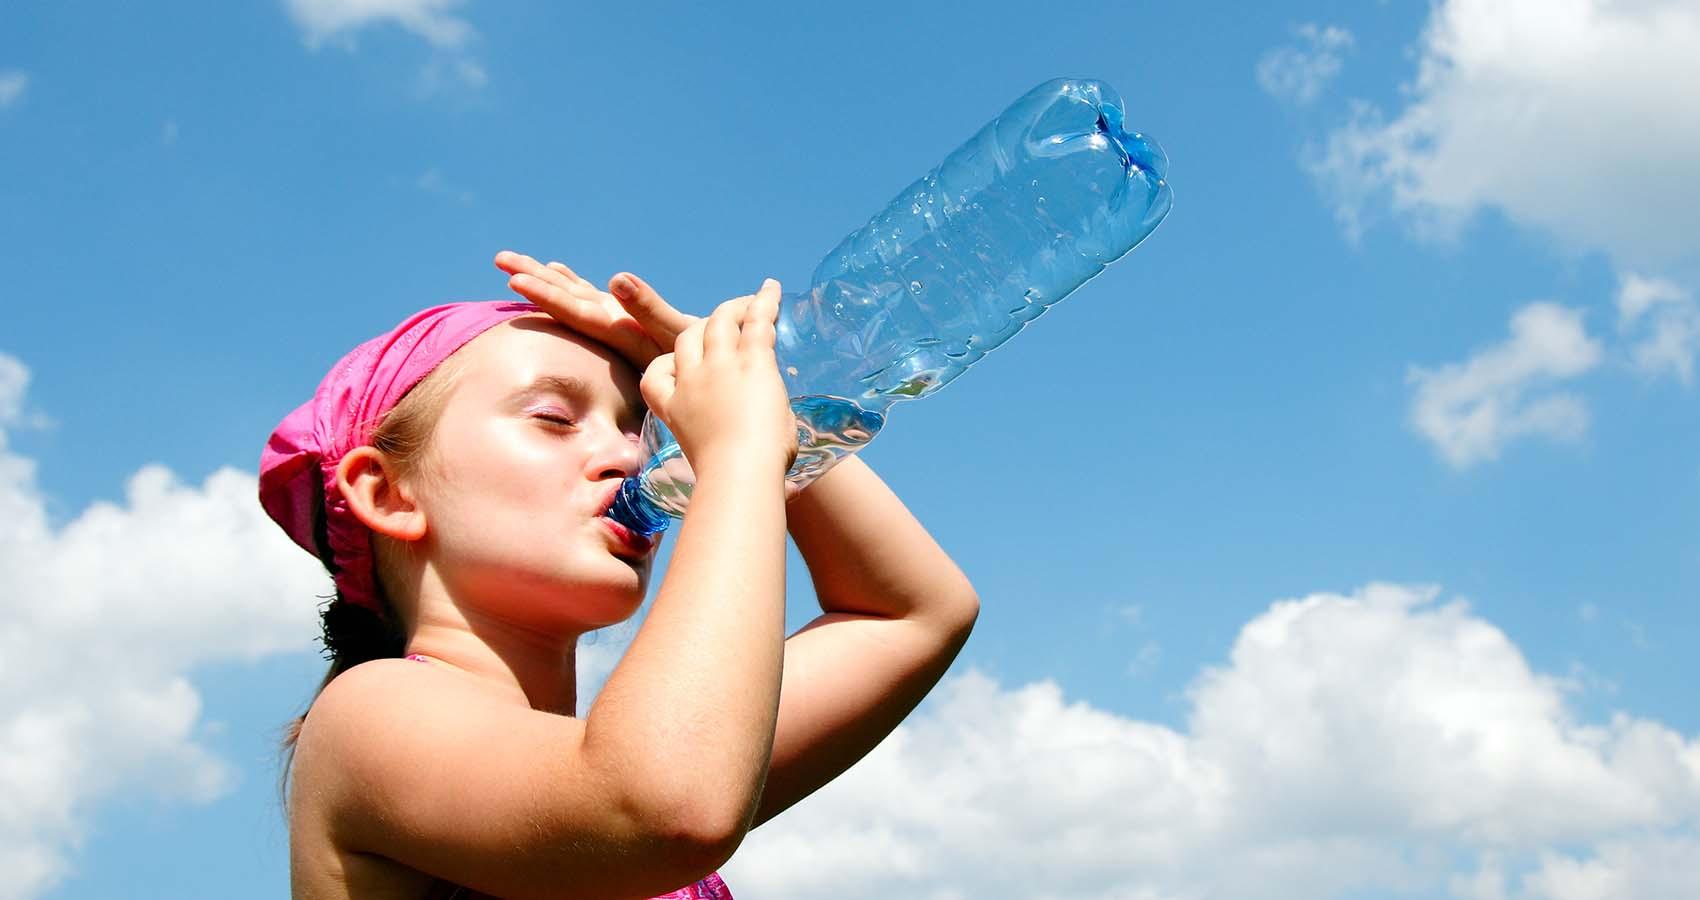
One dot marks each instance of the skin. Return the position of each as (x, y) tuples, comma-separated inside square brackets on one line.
[(473, 769)]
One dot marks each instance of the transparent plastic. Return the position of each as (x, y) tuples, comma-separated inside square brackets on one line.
[(1033, 206)]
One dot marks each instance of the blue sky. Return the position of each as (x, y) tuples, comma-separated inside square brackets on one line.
[(1341, 541)]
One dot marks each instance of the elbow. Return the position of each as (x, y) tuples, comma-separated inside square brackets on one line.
[(963, 610), (708, 827), (697, 829)]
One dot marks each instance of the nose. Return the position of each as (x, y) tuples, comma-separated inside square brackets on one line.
[(616, 455)]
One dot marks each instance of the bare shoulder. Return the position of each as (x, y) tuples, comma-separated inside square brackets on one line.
[(412, 770), (371, 723), (367, 753)]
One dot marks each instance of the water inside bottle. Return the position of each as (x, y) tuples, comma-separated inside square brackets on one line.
[(828, 429)]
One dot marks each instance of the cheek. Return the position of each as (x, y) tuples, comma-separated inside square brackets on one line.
[(486, 470)]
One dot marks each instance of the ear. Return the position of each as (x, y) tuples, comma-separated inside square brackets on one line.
[(376, 498)]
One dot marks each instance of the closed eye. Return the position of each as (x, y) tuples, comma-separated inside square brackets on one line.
[(556, 420)]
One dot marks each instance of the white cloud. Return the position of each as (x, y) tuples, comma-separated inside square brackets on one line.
[(448, 74), (431, 181), (14, 383), (1381, 743), (323, 20), (1146, 659), (12, 85), (1470, 410), (1651, 868), (1297, 74), (1663, 323), (1574, 117), (104, 620), (450, 68)]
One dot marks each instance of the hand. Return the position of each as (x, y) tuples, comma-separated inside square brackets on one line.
[(630, 316), (720, 390)]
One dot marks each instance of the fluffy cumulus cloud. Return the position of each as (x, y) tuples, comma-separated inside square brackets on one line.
[(1383, 743), (1297, 73), (105, 620), (12, 84), (450, 69), (324, 20), (1574, 117), (1661, 323), (1470, 410)]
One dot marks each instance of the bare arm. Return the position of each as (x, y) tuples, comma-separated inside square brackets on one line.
[(896, 611), (700, 681), (896, 608)]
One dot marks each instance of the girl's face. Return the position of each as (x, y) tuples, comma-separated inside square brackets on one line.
[(540, 427)]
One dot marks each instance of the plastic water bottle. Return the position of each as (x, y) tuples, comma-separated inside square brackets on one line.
[(1039, 201)]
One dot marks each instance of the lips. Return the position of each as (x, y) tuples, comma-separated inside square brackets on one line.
[(631, 542)]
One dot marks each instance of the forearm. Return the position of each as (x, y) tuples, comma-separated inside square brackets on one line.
[(868, 555), (692, 705)]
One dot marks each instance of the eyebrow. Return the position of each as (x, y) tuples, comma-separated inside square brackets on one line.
[(558, 384)]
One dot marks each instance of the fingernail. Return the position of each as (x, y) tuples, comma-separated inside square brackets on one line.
[(768, 282)]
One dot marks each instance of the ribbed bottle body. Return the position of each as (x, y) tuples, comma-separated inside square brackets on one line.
[(1031, 207), (1036, 203)]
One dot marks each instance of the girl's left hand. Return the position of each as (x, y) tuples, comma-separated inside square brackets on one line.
[(629, 317)]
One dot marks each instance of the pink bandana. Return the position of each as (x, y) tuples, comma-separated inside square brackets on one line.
[(298, 466)]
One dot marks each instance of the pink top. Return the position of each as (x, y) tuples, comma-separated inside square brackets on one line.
[(710, 888)]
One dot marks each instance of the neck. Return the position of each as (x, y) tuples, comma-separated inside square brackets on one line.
[(539, 668)]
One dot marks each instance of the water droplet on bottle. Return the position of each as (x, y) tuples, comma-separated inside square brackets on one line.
[(914, 287), (1032, 295), (791, 370)]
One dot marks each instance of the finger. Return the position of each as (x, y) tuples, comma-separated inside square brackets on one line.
[(758, 332), (513, 262), (530, 271), (721, 335), (659, 381), (507, 260), (655, 314), (558, 299), (688, 349), (555, 273), (577, 279), (665, 364)]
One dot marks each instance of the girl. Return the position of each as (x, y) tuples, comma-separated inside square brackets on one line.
[(452, 475)]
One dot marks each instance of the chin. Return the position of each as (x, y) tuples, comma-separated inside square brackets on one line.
[(611, 600)]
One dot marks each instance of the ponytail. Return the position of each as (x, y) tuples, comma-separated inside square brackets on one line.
[(351, 635)]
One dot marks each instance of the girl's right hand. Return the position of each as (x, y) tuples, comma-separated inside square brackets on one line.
[(720, 390)]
